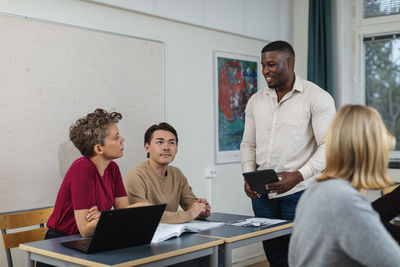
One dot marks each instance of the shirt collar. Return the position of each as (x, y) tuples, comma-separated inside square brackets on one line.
[(297, 86)]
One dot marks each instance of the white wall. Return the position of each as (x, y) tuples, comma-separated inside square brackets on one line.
[(300, 36), (260, 19), (188, 86)]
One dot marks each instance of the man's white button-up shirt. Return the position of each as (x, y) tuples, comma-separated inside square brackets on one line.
[(290, 135)]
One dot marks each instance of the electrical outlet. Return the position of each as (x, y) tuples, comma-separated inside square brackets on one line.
[(210, 173)]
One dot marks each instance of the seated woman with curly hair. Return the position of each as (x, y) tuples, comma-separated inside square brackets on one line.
[(93, 182)]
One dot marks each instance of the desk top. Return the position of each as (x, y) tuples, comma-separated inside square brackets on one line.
[(230, 233), (122, 257), (226, 217)]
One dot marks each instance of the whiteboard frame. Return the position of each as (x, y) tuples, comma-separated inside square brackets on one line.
[(106, 32)]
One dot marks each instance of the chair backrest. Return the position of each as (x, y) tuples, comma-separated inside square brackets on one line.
[(20, 219), (389, 189)]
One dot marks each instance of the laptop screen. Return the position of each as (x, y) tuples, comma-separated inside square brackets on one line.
[(123, 228)]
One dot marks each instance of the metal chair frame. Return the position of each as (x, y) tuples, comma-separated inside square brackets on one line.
[(21, 219)]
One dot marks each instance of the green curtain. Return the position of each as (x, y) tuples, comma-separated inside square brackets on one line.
[(319, 66)]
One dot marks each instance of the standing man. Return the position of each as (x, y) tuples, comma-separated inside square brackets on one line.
[(156, 182), (284, 130)]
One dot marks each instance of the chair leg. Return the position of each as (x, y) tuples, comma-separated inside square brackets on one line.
[(9, 259)]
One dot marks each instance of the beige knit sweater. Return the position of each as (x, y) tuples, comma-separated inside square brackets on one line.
[(143, 184)]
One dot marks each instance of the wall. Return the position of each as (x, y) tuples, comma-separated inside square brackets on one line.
[(188, 87), (300, 36), (342, 36), (251, 18), (67, 58)]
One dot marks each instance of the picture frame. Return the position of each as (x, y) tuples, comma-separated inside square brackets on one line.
[(235, 81)]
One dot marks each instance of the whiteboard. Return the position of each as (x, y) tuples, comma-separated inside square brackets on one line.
[(52, 74)]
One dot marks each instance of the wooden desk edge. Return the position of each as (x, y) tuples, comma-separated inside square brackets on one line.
[(171, 254), (149, 259), (62, 257), (253, 234)]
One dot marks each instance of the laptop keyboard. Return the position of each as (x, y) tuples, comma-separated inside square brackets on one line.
[(82, 245)]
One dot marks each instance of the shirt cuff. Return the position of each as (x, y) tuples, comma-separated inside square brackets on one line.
[(248, 167), (306, 172)]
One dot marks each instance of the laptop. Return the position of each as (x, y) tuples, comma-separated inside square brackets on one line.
[(121, 228), (258, 179)]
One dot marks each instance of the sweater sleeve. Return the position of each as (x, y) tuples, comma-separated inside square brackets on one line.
[(186, 201), (187, 196), (179, 216)]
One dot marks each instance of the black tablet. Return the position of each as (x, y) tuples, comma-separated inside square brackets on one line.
[(258, 179)]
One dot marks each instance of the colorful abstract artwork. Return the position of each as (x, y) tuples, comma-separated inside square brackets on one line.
[(235, 81)]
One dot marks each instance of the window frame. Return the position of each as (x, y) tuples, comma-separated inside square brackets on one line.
[(364, 28)]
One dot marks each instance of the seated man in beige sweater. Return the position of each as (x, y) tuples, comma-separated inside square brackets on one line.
[(156, 182)]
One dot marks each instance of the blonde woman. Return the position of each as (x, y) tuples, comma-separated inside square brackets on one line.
[(334, 224)]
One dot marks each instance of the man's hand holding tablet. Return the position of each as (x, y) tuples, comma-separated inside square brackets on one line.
[(258, 180)]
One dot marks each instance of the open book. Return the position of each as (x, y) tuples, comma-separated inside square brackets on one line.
[(165, 231)]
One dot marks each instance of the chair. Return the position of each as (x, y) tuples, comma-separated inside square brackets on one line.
[(389, 189), (20, 219)]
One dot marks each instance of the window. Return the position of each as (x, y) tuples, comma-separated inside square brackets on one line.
[(377, 61), (382, 79), (376, 8)]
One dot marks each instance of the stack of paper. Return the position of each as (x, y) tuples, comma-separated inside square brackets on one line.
[(258, 222)]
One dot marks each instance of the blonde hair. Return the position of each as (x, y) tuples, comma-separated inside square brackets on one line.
[(357, 148)]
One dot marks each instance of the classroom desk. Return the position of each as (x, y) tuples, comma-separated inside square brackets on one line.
[(175, 250), (238, 236)]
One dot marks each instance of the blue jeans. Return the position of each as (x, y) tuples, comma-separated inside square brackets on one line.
[(284, 208)]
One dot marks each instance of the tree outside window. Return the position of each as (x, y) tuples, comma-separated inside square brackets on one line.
[(382, 76), (377, 8)]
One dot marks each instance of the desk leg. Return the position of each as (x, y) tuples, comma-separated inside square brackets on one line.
[(214, 257), (227, 255), (28, 261)]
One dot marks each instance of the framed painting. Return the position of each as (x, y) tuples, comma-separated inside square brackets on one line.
[(235, 80)]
